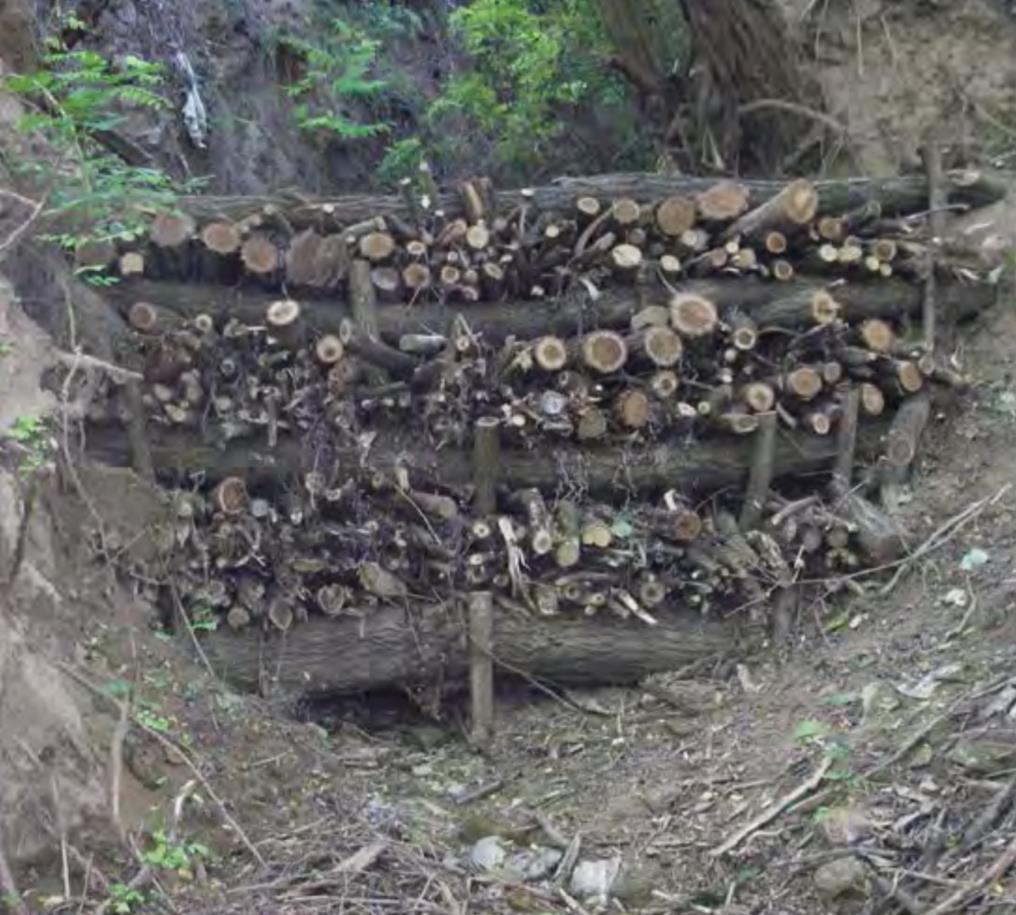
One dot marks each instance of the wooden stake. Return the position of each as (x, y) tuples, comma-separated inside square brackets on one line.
[(481, 666), (846, 444), (760, 474), (283, 319), (907, 427), (486, 464)]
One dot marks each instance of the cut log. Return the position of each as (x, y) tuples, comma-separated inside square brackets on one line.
[(632, 409), (743, 333), (758, 396), (592, 425), (478, 237), (144, 318), (550, 353), (831, 228), (906, 429), (872, 399), (675, 215), (877, 335), (804, 382), (588, 208), (329, 349), (416, 277), (722, 202), (692, 316), (775, 242), (389, 647), (283, 320), (603, 351), (132, 263), (94, 254), (664, 384), (655, 345), (782, 270), (625, 258), (230, 496), (316, 262), (222, 238), (625, 212), (376, 246), (261, 256), (787, 212), (172, 230), (387, 283), (802, 306)]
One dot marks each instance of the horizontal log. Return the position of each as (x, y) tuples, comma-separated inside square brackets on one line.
[(706, 466), (895, 195), (777, 305), (388, 647)]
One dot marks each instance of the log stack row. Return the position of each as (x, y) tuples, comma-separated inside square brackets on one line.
[(561, 404)]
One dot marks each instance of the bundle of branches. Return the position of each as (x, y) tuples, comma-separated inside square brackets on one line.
[(574, 455)]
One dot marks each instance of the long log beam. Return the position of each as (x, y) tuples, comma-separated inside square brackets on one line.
[(896, 196), (705, 466), (390, 647), (771, 304)]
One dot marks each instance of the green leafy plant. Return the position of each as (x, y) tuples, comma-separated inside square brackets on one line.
[(810, 731), (532, 66), (401, 160), (149, 716), (178, 857), (123, 899), (31, 433), (336, 73), (77, 100), (203, 618)]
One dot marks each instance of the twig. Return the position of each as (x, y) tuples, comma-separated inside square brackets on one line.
[(959, 899), (941, 535), (15, 236), (932, 156), (793, 108), (65, 868), (183, 754), (80, 360), (774, 809), (190, 630), (116, 769)]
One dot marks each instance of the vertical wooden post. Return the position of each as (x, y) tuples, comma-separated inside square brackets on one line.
[(760, 475), (481, 665), (846, 444), (486, 464)]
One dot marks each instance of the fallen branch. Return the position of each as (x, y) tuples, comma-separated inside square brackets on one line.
[(774, 809)]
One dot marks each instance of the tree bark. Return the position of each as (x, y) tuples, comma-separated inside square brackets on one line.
[(389, 648)]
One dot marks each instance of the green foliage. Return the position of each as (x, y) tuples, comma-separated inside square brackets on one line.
[(531, 70), (178, 857), (31, 433), (401, 160), (123, 900), (77, 97), (203, 619), (337, 72)]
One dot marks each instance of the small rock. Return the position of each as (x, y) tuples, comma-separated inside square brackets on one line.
[(534, 863), (840, 877), (593, 879), (488, 854), (845, 826)]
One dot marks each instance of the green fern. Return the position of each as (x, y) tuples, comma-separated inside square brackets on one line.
[(336, 72)]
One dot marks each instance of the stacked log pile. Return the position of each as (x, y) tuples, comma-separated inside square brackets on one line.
[(557, 395)]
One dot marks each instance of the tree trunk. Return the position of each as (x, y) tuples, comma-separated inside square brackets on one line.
[(895, 195), (711, 464), (388, 648), (769, 305)]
